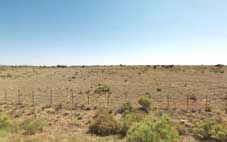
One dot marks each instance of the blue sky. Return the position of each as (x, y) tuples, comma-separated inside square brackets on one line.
[(91, 32)]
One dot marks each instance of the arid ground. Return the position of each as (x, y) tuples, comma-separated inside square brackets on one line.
[(67, 98)]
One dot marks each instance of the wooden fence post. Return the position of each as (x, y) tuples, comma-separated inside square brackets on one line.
[(225, 99), (51, 97), (187, 103), (5, 96), (108, 100), (88, 99), (19, 97), (72, 98), (33, 98), (72, 104), (125, 96), (168, 102), (206, 104)]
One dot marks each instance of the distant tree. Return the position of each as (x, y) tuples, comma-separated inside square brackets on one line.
[(219, 65)]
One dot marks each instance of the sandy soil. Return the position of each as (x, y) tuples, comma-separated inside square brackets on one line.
[(184, 92)]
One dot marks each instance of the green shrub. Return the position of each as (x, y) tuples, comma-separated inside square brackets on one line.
[(102, 89), (219, 66), (32, 126), (182, 129), (217, 70), (127, 121), (145, 103), (5, 122), (126, 108), (152, 131), (104, 124), (211, 131)]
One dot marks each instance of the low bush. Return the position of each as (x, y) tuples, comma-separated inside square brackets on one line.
[(126, 108), (101, 89), (219, 66), (182, 129), (167, 66), (5, 122), (145, 103), (104, 124), (222, 71), (209, 130), (159, 89), (150, 130), (127, 121), (61, 66), (32, 126), (217, 70)]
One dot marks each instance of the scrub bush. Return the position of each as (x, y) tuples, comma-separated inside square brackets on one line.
[(104, 125), (152, 131)]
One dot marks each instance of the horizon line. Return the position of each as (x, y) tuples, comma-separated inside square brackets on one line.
[(97, 65)]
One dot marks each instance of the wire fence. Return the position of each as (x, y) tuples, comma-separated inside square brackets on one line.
[(217, 100)]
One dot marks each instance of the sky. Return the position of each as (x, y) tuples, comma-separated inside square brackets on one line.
[(112, 32)]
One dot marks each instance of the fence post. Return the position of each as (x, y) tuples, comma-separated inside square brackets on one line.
[(168, 102), (72, 98), (206, 104), (5, 96), (108, 99), (19, 99), (187, 103), (72, 103), (51, 97), (33, 98), (225, 99), (88, 99), (125, 96)]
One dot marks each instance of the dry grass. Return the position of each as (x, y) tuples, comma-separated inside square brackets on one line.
[(127, 83)]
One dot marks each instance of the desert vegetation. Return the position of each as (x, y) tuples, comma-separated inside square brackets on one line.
[(115, 103)]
